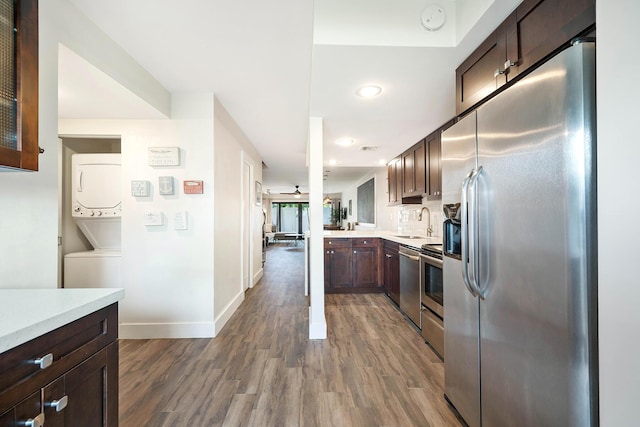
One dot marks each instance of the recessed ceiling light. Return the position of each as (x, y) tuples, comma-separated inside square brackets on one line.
[(369, 91), (382, 162), (333, 162), (345, 142)]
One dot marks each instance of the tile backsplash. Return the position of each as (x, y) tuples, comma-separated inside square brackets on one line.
[(409, 224)]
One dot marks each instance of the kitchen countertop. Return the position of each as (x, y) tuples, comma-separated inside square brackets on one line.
[(388, 235), (26, 314)]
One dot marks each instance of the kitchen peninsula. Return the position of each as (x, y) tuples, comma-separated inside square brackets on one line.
[(59, 356), (359, 261)]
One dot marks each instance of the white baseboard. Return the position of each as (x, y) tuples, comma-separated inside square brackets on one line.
[(317, 330), (228, 311), (257, 277), (166, 330)]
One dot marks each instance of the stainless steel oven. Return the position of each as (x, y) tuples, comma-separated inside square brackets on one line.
[(432, 311)]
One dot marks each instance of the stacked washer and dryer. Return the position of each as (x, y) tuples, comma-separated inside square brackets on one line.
[(96, 207)]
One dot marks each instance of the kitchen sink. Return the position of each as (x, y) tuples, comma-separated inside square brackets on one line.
[(411, 237)]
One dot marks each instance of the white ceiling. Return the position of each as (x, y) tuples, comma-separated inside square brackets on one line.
[(275, 64)]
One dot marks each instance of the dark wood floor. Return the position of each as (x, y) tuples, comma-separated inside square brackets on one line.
[(262, 370)]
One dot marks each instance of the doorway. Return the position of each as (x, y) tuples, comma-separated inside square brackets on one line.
[(70, 238)]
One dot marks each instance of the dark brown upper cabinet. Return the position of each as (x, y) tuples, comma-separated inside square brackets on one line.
[(414, 170), (394, 181), (19, 84), (533, 32)]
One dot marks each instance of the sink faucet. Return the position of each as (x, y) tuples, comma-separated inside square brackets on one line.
[(429, 229)]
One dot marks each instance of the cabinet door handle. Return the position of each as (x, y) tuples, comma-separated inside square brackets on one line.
[(354, 252), (499, 72), (508, 64), (388, 255), (365, 242), (60, 404), (35, 422), (44, 361)]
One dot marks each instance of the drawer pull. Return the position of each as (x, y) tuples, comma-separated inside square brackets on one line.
[(60, 404), (44, 361), (365, 242), (35, 422), (388, 256)]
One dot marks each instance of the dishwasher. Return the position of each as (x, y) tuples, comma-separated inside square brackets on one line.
[(410, 284)]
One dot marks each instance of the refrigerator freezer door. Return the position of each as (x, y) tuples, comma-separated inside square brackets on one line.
[(462, 362), (536, 222)]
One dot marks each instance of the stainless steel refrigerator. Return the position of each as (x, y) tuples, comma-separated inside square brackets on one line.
[(520, 297)]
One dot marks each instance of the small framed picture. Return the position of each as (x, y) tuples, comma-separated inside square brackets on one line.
[(258, 194)]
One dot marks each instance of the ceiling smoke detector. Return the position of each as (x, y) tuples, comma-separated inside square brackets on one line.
[(433, 17)]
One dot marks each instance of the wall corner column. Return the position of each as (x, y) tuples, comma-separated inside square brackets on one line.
[(317, 320)]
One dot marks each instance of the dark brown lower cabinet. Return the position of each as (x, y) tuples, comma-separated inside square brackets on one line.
[(79, 384), (392, 270), (352, 265), (365, 267), (338, 268), (86, 392)]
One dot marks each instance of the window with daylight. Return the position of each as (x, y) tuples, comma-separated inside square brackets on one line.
[(288, 217)]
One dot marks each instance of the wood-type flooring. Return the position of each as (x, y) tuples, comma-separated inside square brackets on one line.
[(262, 370)]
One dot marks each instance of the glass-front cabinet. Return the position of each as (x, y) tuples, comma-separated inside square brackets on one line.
[(19, 84)]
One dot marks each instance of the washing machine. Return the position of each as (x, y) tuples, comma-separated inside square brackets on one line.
[(96, 208)]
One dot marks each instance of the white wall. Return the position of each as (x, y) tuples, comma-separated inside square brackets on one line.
[(168, 274), (30, 228), (618, 208), (386, 216), (231, 146)]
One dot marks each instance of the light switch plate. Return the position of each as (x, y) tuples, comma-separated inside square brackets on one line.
[(140, 188), (180, 220), (165, 185), (153, 218)]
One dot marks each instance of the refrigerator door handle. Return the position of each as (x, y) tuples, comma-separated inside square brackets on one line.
[(474, 258), (464, 241)]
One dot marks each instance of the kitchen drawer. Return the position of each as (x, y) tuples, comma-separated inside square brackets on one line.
[(66, 346), (337, 243), (433, 330), (370, 242), (390, 244)]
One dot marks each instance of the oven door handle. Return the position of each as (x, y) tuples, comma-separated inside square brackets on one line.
[(434, 262)]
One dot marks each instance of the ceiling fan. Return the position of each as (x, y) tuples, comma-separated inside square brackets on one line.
[(297, 194)]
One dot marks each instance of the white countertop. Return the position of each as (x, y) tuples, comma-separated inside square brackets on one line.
[(26, 314), (415, 242)]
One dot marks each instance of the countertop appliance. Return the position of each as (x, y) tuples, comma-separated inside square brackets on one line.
[(520, 296), (410, 288)]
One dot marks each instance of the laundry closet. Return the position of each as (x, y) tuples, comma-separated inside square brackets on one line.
[(90, 211)]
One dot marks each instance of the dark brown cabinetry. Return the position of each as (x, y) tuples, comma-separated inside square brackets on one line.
[(535, 30), (394, 181), (68, 377), (337, 264), (365, 263), (434, 151), (391, 270), (414, 170), (19, 97), (351, 265)]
